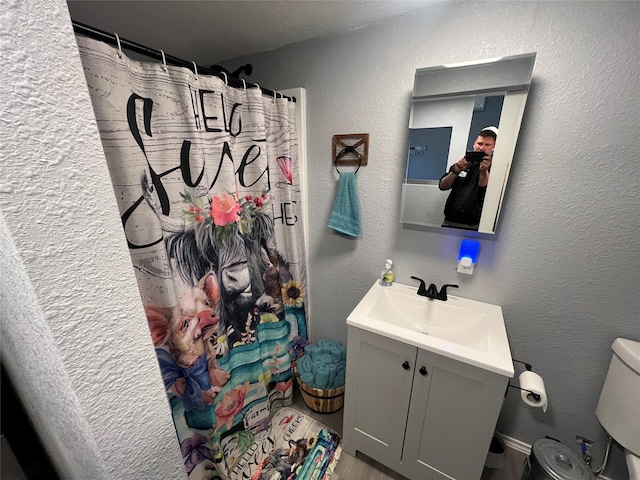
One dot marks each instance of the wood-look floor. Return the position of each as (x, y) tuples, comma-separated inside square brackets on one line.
[(364, 468)]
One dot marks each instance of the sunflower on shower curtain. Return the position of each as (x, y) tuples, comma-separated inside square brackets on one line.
[(207, 184)]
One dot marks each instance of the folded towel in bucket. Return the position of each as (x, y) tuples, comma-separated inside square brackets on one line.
[(326, 358), (307, 378), (322, 377), (305, 364), (326, 344), (336, 353), (312, 350), (333, 369), (343, 350), (319, 361)]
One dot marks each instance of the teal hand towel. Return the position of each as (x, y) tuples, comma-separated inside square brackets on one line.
[(327, 344), (322, 377), (307, 378), (312, 350), (305, 364), (345, 216)]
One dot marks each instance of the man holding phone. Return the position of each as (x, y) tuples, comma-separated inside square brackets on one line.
[(467, 179)]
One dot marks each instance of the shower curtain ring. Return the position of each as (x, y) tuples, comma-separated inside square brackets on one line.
[(119, 45), (275, 96), (195, 69), (164, 62), (244, 85), (226, 82), (258, 87)]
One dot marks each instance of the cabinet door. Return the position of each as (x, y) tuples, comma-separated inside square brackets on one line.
[(452, 417), (378, 387)]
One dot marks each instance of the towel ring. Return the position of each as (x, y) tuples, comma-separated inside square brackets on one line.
[(343, 152)]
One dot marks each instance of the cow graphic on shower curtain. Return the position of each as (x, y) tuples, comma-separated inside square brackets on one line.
[(241, 291), (207, 184)]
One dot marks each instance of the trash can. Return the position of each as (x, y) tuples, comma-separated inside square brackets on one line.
[(497, 453), (551, 460)]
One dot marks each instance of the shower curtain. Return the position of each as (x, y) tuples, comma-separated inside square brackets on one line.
[(206, 180)]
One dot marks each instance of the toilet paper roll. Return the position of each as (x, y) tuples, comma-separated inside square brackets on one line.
[(533, 382)]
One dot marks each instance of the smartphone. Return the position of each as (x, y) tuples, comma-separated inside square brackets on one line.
[(475, 157)]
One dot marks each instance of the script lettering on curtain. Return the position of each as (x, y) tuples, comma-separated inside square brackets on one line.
[(204, 94), (252, 154), (285, 215)]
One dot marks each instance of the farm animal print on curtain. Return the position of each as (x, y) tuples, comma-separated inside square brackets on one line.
[(206, 180)]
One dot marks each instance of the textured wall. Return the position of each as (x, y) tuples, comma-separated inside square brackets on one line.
[(564, 262), (74, 336)]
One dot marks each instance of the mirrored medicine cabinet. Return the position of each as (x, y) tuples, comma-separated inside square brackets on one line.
[(450, 105)]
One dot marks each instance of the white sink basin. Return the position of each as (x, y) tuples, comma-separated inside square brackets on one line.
[(466, 330)]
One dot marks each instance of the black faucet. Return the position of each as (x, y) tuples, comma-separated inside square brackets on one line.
[(442, 295), (422, 289), (432, 291)]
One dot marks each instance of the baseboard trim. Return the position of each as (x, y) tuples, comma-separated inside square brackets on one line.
[(515, 444), (519, 446)]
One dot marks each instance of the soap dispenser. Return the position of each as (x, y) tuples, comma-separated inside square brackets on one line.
[(387, 276)]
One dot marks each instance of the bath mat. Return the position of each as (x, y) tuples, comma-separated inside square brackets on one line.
[(296, 447)]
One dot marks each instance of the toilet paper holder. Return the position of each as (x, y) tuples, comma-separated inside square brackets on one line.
[(528, 366)]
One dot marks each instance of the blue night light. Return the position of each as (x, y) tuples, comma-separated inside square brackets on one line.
[(469, 249)]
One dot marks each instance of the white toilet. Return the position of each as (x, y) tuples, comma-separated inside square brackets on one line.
[(619, 406)]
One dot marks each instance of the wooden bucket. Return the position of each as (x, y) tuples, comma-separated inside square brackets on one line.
[(318, 400)]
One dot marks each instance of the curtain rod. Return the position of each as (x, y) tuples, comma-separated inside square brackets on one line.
[(110, 38)]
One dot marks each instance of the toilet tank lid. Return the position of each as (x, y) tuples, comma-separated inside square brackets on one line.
[(628, 351)]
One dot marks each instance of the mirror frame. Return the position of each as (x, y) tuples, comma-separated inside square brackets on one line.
[(510, 75)]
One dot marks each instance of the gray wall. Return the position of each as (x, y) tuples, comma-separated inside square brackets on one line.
[(73, 335), (564, 262)]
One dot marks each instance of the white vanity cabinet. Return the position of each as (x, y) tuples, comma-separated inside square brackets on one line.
[(421, 414)]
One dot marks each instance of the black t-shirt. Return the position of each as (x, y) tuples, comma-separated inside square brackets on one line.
[(466, 198)]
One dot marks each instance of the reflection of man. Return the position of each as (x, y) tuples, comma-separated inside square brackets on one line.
[(468, 184)]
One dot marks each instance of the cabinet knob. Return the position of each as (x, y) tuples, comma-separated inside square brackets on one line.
[(405, 365), (423, 371)]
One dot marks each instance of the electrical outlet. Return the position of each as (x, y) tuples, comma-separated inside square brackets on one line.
[(465, 265)]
